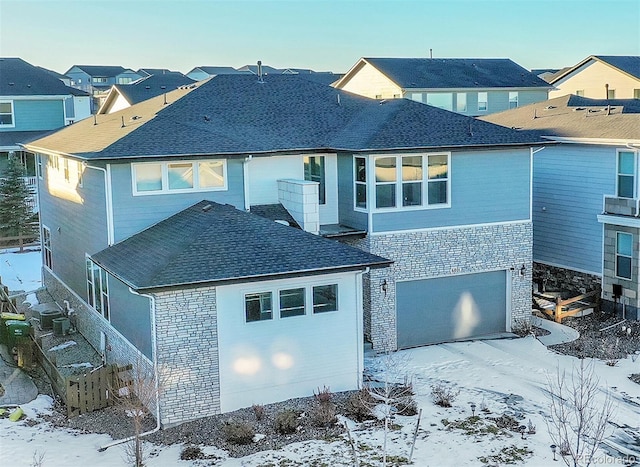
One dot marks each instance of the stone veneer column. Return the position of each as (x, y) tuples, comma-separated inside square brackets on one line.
[(445, 252), (300, 198), (187, 346)]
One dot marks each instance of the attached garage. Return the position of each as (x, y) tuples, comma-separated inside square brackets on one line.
[(430, 311)]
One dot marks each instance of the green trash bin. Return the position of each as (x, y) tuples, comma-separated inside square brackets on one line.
[(17, 331), (4, 317)]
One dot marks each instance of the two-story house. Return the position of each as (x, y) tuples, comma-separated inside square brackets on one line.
[(599, 77), (98, 79), (468, 86), (585, 195), (150, 231), (33, 102), (121, 96)]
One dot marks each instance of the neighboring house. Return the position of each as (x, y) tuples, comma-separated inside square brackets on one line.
[(586, 194), (201, 73), (97, 80), (468, 86), (599, 77), (154, 71), (125, 95), (32, 102), (152, 233)]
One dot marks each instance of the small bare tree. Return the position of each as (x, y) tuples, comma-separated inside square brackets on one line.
[(579, 418)]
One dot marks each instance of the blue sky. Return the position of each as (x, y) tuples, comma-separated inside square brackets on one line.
[(322, 35)]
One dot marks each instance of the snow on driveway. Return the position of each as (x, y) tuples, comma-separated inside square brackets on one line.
[(507, 376)]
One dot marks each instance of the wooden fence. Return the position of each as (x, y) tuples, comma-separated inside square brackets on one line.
[(558, 309)]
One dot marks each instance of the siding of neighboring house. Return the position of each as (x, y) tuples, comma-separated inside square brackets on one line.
[(569, 183), (347, 215), (272, 360), (131, 214), (198, 75), (592, 77), (119, 104), (76, 216), (498, 100), (486, 187), (369, 82), (34, 114), (130, 315)]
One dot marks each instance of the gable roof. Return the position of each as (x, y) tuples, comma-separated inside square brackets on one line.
[(100, 70), (572, 116), (211, 243), (145, 88), (238, 115), (19, 78), (627, 64), (219, 70), (450, 73), (154, 71)]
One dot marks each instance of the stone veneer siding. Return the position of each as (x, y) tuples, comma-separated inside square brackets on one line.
[(187, 349), (553, 278), (444, 252)]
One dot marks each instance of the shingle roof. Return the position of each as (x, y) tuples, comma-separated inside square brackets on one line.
[(576, 117), (629, 64), (451, 73), (211, 243), (234, 114), (19, 78), (152, 86), (219, 70), (154, 71), (100, 70), (13, 138)]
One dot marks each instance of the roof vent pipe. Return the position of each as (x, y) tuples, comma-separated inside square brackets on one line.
[(606, 91), (430, 53), (338, 96), (122, 122), (260, 80)]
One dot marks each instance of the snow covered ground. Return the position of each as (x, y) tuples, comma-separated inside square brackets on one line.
[(507, 377)]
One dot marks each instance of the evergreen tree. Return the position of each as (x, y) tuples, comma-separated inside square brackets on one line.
[(16, 216)]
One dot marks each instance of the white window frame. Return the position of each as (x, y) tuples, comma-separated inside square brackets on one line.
[(611, 94), (424, 181), (618, 254), (514, 97), (65, 169), (305, 304), (79, 172), (99, 79), (357, 183), (39, 167), (580, 92), (276, 306), (164, 169), (94, 295), (417, 97), (485, 101), (634, 175), (12, 113), (47, 254)]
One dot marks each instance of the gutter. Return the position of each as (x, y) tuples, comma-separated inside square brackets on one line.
[(154, 347)]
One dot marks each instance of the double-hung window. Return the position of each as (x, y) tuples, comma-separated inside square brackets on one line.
[(39, 172), (97, 288), (360, 190), (6, 114), (513, 100), (183, 176), (292, 302), (46, 247), (325, 298), (626, 174), (314, 172), (483, 101), (411, 181), (624, 254), (461, 102)]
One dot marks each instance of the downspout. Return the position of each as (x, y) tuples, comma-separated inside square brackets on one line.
[(154, 349), (108, 203), (532, 151), (245, 176), (360, 323)]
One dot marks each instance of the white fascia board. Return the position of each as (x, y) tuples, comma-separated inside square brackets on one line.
[(601, 141), (480, 89), (623, 221), (36, 98)]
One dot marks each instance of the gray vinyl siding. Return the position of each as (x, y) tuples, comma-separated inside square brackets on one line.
[(130, 315), (569, 184), (132, 214), (77, 223), (486, 187), (346, 213), (31, 115), (530, 97)]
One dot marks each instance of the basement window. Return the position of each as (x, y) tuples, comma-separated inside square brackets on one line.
[(624, 255)]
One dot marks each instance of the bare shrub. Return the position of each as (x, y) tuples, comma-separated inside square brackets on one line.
[(38, 459), (443, 395), (286, 422), (191, 453), (258, 411), (523, 327), (323, 395), (359, 405), (324, 414), (236, 432), (578, 418)]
